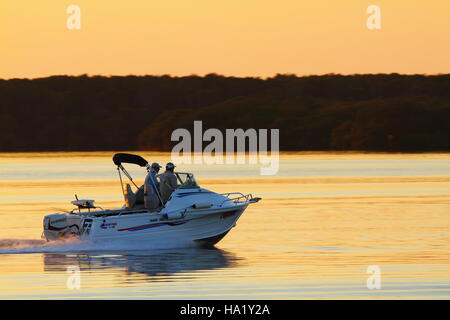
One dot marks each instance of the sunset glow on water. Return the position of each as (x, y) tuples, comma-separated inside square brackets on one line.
[(324, 219)]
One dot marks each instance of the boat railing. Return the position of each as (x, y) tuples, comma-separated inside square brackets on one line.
[(237, 197)]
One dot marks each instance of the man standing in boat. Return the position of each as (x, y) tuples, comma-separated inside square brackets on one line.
[(151, 188), (168, 182)]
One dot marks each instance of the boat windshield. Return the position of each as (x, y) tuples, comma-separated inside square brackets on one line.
[(186, 180)]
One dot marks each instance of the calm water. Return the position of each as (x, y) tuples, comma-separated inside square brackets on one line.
[(324, 219)]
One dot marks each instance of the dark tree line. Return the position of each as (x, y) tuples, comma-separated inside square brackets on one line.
[(331, 112)]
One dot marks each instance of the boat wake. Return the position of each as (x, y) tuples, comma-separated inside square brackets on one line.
[(19, 246)]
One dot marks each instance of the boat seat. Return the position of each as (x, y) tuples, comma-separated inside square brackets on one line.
[(140, 195), (130, 197)]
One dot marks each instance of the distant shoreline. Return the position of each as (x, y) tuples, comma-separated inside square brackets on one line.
[(364, 113), (212, 74)]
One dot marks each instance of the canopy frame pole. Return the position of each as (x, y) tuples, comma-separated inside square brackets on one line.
[(121, 182), (128, 175)]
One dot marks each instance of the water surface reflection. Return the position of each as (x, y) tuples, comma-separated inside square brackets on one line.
[(158, 265)]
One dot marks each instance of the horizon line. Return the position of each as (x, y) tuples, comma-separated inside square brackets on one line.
[(222, 75)]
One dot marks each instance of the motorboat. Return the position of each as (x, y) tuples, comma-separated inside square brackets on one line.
[(191, 214)]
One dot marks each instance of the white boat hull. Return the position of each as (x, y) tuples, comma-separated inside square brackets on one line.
[(202, 228)]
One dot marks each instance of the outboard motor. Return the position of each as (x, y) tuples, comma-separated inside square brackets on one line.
[(61, 226)]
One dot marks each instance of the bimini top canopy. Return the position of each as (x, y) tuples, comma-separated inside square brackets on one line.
[(120, 158)]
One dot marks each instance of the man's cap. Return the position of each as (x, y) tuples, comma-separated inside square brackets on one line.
[(170, 165), (155, 165)]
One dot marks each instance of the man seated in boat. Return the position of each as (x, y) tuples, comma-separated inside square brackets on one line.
[(168, 182)]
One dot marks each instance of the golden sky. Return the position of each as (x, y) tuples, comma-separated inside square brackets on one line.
[(230, 37)]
